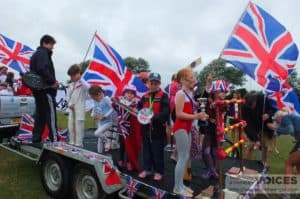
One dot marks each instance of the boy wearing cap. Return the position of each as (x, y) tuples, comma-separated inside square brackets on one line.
[(154, 135)]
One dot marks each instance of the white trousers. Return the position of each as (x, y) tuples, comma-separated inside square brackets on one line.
[(76, 135)]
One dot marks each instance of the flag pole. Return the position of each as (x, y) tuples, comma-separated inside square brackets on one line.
[(234, 28), (89, 47), (261, 147)]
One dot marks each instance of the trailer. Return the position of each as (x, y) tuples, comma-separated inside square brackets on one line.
[(68, 171)]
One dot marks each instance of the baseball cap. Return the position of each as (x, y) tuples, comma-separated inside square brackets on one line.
[(154, 77)]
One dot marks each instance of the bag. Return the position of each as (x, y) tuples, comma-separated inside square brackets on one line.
[(34, 81)]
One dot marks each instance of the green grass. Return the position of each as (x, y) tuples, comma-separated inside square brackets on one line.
[(19, 177)]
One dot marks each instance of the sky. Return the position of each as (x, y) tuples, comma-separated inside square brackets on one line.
[(169, 34)]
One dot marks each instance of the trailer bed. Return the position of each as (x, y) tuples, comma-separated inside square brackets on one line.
[(198, 184)]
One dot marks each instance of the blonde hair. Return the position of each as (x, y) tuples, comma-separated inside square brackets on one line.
[(183, 73), (281, 113)]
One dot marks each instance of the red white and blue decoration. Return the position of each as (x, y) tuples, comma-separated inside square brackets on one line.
[(15, 54), (220, 85), (158, 193), (132, 186), (107, 69), (26, 127), (262, 48), (285, 98)]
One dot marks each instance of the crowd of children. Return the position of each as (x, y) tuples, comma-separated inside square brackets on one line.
[(178, 112)]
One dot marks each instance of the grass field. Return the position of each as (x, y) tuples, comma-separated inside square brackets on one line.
[(19, 177)]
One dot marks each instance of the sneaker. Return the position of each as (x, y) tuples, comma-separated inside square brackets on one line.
[(183, 193), (38, 145), (157, 177), (188, 189), (143, 174), (129, 167)]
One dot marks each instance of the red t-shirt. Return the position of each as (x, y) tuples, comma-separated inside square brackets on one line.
[(22, 89), (187, 108)]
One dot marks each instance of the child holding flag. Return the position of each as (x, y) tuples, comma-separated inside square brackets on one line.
[(129, 128)]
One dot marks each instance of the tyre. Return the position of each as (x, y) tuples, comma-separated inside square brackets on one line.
[(85, 184), (55, 175)]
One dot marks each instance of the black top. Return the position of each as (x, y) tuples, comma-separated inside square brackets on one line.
[(158, 120), (41, 63), (253, 117)]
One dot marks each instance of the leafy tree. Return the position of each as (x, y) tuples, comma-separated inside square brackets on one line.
[(84, 65), (219, 70), (136, 65)]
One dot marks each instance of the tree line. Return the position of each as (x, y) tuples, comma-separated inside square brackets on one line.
[(217, 67)]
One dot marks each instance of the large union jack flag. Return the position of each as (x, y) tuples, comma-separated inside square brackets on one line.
[(107, 69), (14, 54), (262, 48), (132, 186)]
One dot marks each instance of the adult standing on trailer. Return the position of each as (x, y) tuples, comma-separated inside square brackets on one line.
[(41, 63)]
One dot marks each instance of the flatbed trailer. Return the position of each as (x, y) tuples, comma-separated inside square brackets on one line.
[(72, 172)]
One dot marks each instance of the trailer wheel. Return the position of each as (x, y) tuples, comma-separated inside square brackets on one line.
[(85, 184), (55, 175)]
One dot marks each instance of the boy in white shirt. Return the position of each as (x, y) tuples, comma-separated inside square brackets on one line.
[(76, 96)]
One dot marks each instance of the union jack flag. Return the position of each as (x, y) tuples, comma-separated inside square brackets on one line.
[(132, 186), (285, 98), (14, 54), (262, 48), (107, 69), (158, 193), (63, 134), (124, 118), (220, 85), (26, 127)]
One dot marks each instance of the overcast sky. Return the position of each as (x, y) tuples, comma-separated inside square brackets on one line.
[(168, 34)]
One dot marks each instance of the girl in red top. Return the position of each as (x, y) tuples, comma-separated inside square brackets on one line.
[(185, 114)]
